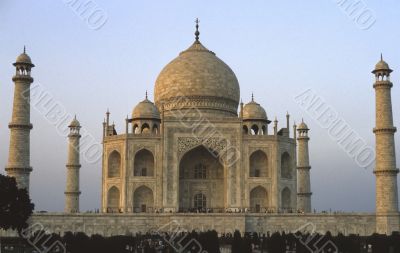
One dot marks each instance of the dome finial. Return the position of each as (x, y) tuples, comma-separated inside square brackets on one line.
[(381, 57), (146, 94), (197, 33), (252, 97), (24, 49)]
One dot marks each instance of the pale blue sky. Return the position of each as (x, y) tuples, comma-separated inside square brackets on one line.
[(276, 48)]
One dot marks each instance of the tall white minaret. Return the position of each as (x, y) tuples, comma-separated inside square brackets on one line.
[(387, 210), (18, 165), (303, 170), (72, 188)]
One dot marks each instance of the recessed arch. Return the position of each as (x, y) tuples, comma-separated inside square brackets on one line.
[(286, 168), (254, 130), (259, 164), (155, 129), (264, 130), (136, 129), (114, 164), (245, 129), (258, 199), (143, 200), (145, 129), (143, 164), (113, 200), (200, 171), (286, 198)]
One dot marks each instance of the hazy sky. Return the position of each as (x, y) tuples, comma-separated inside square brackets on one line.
[(277, 49)]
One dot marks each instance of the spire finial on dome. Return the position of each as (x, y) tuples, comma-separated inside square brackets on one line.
[(146, 94), (252, 97), (24, 49), (197, 33), (381, 57)]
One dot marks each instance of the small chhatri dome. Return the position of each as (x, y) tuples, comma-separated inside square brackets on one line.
[(145, 110), (303, 126), (74, 123), (24, 59), (254, 111), (382, 66), (198, 78)]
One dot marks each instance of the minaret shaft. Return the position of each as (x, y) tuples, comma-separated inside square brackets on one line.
[(387, 210), (303, 170), (385, 169), (72, 191), (18, 165)]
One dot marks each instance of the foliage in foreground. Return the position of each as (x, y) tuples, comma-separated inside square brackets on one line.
[(210, 242), (15, 205)]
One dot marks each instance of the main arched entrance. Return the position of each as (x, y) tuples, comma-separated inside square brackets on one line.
[(201, 181)]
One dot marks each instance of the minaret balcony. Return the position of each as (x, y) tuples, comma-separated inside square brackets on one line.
[(383, 84), (19, 169), (385, 130), (20, 126), (24, 78)]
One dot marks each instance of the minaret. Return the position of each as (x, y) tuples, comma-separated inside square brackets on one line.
[(303, 169), (72, 189), (387, 219), (18, 165)]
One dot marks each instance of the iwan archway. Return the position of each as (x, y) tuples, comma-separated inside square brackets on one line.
[(201, 181)]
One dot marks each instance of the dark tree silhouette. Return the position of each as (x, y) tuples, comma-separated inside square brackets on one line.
[(237, 242), (276, 243), (15, 205)]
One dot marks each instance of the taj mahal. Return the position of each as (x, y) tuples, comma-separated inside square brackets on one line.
[(198, 156)]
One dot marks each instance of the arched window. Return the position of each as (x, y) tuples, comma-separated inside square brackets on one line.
[(155, 129), (114, 164), (200, 171), (144, 164), (286, 198), (258, 199), (254, 130), (136, 129), (245, 129), (200, 201), (113, 200), (143, 200), (264, 130), (145, 129), (286, 170), (258, 164)]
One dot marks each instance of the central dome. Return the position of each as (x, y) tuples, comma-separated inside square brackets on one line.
[(197, 79)]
